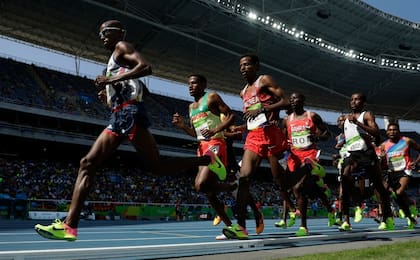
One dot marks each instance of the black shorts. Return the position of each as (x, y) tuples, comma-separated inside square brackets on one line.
[(364, 159), (393, 179)]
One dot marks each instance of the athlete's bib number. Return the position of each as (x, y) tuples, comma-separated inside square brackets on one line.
[(397, 163), (256, 122)]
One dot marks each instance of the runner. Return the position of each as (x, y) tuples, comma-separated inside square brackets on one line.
[(262, 101), (396, 153), (207, 126), (361, 130), (123, 92)]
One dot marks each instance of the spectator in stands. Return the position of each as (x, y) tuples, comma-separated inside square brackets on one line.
[(123, 92), (262, 101), (304, 129), (361, 130), (396, 152), (208, 127)]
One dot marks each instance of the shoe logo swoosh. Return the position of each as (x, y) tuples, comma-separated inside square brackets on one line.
[(57, 229)]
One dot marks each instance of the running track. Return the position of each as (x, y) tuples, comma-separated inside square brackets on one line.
[(163, 240)]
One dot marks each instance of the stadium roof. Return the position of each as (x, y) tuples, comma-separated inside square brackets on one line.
[(326, 49)]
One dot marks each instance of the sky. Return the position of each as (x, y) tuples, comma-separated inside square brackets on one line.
[(11, 48)]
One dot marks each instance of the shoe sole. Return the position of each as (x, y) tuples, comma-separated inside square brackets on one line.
[(280, 226), (48, 235), (232, 235)]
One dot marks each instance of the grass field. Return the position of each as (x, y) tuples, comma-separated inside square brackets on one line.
[(400, 250)]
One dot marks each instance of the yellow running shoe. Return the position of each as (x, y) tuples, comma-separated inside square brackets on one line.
[(57, 230), (358, 214), (302, 231), (280, 224)]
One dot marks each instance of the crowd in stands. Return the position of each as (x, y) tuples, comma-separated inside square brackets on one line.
[(47, 179)]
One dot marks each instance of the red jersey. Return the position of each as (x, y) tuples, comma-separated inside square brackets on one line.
[(254, 96)]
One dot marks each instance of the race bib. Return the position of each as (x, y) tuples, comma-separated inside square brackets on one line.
[(256, 122), (397, 163), (199, 128), (301, 139)]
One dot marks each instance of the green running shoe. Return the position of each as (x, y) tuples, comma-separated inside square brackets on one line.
[(293, 216), (358, 214), (345, 226), (401, 213), (216, 165), (317, 169), (331, 219), (57, 230), (302, 231), (235, 232), (414, 212), (411, 223), (390, 225), (280, 224)]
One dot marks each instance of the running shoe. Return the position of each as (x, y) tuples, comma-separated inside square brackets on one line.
[(317, 169), (401, 213), (414, 212), (280, 224), (387, 225), (57, 230), (411, 223), (338, 222), (302, 231), (235, 232), (358, 214), (259, 223), (331, 219), (293, 216), (390, 225), (221, 237), (216, 165), (345, 226), (217, 220)]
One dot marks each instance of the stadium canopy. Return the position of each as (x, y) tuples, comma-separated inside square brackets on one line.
[(325, 49)]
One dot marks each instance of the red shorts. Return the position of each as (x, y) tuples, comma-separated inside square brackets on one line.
[(266, 141), (217, 145), (296, 157)]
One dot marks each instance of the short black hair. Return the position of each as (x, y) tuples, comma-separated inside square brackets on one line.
[(201, 78), (393, 124), (300, 95), (254, 58), (361, 95)]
